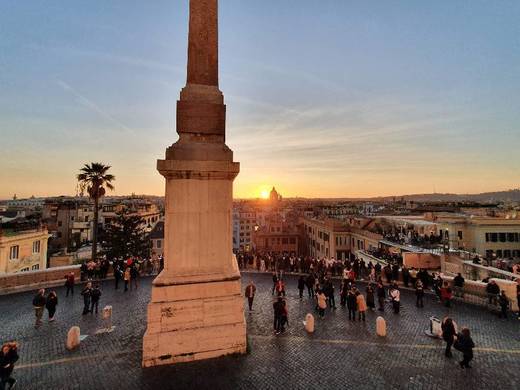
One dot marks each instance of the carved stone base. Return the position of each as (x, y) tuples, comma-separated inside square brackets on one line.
[(194, 321)]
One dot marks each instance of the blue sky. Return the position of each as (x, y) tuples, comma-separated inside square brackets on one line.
[(325, 98)]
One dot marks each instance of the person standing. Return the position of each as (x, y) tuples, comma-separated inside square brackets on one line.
[(69, 283), (446, 294), (465, 344), (361, 305), (419, 293), (134, 275), (370, 297), (310, 285), (127, 277), (250, 294), (458, 285), (301, 285), (86, 293), (51, 303), (8, 357), (275, 280), (448, 335), (503, 301), (406, 275), (322, 303), (395, 295), (95, 295), (351, 304), (39, 306), (278, 311), (118, 274), (280, 288), (381, 295)]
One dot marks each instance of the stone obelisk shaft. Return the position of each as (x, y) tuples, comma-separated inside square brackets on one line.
[(203, 43), (196, 309)]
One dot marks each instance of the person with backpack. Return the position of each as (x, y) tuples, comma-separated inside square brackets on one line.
[(95, 295), (51, 303), (39, 305)]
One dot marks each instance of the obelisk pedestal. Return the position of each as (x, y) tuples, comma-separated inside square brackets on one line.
[(196, 309)]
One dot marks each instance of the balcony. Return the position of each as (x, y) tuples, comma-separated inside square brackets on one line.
[(80, 225)]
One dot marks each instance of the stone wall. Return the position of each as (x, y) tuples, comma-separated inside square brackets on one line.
[(32, 280)]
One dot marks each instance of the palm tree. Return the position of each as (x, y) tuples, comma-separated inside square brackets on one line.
[(94, 178)]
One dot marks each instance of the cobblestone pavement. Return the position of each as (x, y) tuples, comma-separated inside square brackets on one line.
[(341, 354)]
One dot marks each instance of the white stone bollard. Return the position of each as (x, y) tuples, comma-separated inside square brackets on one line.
[(309, 323), (73, 338), (381, 326)]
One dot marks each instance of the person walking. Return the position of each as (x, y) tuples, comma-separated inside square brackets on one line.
[(419, 293), (503, 301), (51, 303), (351, 304), (69, 283), (301, 286), (322, 303), (39, 306), (448, 335), (8, 357), (381, 295), (465, 344), (86, 293), (95, 295), (127, 276), (395, 295), (250, 294), (361, 305), (329, 292)]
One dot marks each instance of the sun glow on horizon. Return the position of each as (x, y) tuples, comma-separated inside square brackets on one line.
[(264, 194)]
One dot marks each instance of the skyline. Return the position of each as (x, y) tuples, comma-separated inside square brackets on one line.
[(336, 99)]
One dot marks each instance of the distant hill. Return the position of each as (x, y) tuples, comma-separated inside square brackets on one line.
[(498, 196)]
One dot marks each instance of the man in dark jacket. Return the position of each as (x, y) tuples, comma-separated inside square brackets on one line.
[(503, 301), (86, 293), (301, 286), (310, 284), (8, 357), (492, 291), (458, 285), (95, 295), (278, 310), (39, 306)]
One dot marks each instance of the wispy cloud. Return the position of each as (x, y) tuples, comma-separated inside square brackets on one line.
[(92, 106)]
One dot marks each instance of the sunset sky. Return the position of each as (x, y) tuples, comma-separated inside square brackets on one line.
[(324, 98)]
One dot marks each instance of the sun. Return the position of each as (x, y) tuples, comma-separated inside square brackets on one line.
[(264, 194)]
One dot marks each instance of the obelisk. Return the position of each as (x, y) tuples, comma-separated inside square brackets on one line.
[(196, 309)]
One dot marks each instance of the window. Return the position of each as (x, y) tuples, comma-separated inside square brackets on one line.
[(24, 269), (510, 237), (35, 267), (507, 253), (72, 217), (459, 234), (285, 240), (36, 247), (494, 237), (60, 223), (292, 240), (13, 252), (86, 218), (159, 244), (502, 237), (499, 253)]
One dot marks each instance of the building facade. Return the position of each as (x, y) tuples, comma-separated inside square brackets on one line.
[(24, 250)]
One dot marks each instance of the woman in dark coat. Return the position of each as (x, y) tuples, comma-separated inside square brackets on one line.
[(8, 357), (87, 292), (370, 297), (448, 334), (465, 344), (51, 303)]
